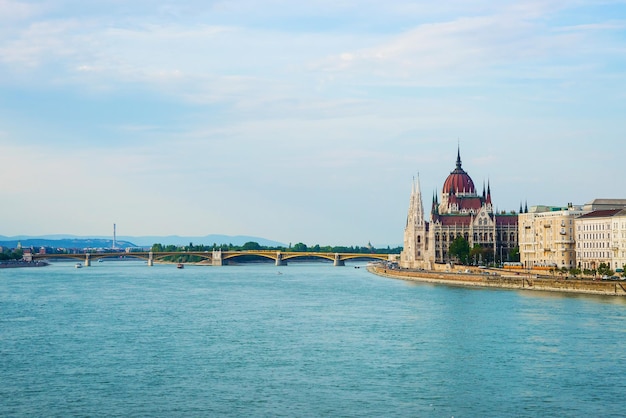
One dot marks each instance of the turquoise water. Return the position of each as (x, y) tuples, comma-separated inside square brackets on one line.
[(124, 339)]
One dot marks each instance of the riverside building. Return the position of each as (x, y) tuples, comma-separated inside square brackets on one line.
[(547, 237), (459, 211), (601, 238)]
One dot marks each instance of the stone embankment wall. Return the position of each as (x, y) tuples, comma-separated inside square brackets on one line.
[(526, 282)]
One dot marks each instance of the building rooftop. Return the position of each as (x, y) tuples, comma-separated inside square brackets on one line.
[(598, 204), (601, 213)]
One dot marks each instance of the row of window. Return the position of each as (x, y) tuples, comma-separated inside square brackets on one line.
[(562, 231), (593, 254), (593, 236), (602, 244), (593, 227), (478, 236)]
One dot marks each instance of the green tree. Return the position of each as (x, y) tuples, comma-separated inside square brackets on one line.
[(604, 270), (476, 253), (251, 246), (460, 249), (299, 247)]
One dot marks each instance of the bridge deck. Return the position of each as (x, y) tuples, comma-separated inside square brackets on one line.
[(278, 256)]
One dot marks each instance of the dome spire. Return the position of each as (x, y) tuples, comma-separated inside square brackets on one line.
[(458, 157)]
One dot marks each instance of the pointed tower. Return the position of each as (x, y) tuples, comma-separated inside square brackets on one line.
[(488, 203), (415, 242)]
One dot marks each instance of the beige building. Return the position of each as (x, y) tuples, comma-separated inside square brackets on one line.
[(601, 238), (546, 236)]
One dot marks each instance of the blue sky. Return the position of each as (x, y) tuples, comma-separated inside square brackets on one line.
[(300, 121)]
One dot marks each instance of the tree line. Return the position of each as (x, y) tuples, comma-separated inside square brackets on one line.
[(7, 254), (255, 246), (460, 249)]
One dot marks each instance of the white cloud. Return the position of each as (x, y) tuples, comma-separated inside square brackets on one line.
[(203, 108), (18, 10)]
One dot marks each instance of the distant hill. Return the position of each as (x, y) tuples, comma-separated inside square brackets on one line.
[(71, 241), (35, 242)]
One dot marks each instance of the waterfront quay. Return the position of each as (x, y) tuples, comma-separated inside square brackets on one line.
[(21, 263), (504, 280)]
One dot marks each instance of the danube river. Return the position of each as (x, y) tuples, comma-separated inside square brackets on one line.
[(123, 339)]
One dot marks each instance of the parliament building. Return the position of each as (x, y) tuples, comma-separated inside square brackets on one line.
[(459, 211)]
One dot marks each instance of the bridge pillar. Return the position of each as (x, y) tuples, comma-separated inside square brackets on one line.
[(216, 259), (87, 260), (150, 259), (279, 260), (338, 261)]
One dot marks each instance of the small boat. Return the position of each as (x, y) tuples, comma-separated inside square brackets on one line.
[(180, 266), (78, 265)]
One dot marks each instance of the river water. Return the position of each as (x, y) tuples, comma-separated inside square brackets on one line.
[(309, 339)]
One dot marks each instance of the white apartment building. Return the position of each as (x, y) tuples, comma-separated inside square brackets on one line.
[(547, 237), (618, 241), (601, 238)]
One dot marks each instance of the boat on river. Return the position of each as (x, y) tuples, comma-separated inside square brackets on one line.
[(180, 266)]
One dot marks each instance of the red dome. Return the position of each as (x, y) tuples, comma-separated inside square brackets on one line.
[(458, 181)]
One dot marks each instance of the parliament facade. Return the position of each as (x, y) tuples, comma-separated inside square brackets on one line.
[(459, 211)]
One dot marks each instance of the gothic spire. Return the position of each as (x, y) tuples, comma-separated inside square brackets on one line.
[(458, 157)]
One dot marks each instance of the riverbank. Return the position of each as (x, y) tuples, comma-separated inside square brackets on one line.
[(505, 281)]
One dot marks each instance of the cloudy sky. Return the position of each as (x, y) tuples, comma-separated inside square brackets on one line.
[(301, 121)]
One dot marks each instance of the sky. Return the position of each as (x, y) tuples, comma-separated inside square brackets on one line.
[(301, 121)]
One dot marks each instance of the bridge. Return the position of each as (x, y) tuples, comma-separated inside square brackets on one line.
[(219, 258)]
